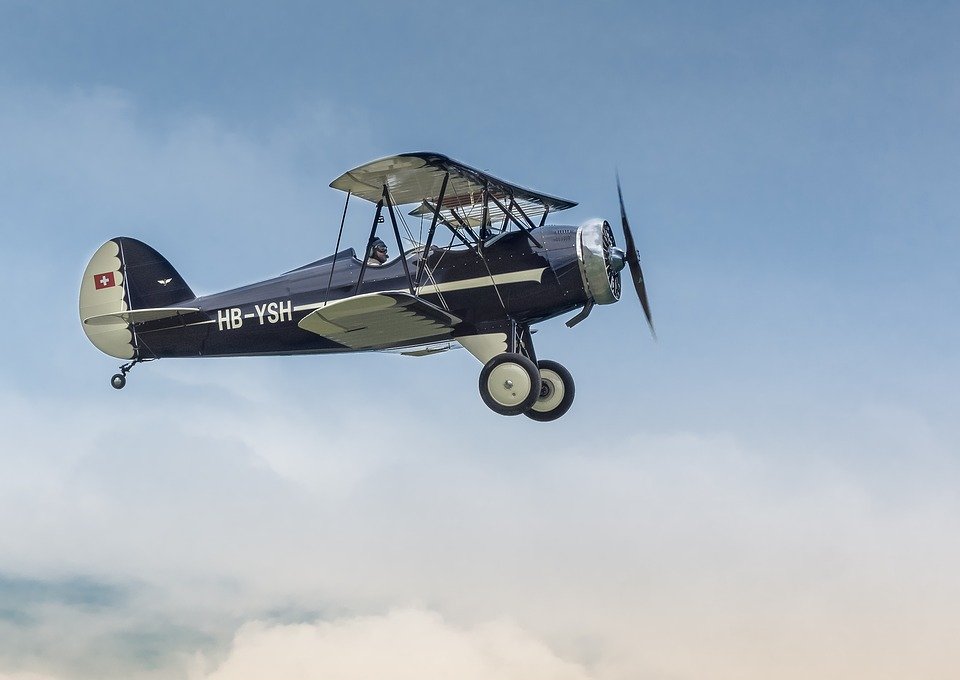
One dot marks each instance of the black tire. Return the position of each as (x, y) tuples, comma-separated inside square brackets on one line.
[(118, 381), (556, 392), (509, 384)]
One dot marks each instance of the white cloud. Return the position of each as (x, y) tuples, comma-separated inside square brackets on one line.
[(673, 555), (407, 644)]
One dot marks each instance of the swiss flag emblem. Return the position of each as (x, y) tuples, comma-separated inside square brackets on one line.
[(104, 280)]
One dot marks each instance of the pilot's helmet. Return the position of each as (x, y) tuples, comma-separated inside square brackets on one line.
[(377, 245)]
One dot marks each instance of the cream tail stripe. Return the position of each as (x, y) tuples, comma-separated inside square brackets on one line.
[(534, 275)]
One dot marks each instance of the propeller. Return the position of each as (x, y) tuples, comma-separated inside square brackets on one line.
[(633, 259)]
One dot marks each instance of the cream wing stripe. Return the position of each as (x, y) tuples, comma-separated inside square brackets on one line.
[(534, 275)]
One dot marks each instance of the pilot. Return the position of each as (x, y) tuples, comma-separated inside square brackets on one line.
[(376, 253)]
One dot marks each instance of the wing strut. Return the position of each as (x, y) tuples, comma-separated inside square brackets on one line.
[(466, 227), (373, 233), (422, 265), (337, 249), (396, 232), (485, 214), (384, 199), (543, 220), (525, 228), (458, 235)]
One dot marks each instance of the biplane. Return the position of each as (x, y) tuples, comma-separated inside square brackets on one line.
[(488, 269)]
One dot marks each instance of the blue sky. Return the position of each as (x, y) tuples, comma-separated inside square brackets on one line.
[(770, 488)]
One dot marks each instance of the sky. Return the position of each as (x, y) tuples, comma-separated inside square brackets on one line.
[(767, 490)]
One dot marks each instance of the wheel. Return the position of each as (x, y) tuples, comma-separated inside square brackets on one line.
[(556, 392), (509, 383), (118, 381)]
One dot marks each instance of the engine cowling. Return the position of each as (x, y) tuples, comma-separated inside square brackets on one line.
[(600, 261)]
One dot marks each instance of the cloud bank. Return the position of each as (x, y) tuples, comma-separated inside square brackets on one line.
[(677, 555), (410, 644)]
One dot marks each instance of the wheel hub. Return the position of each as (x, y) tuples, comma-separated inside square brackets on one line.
[(552, 391), (509, 384)]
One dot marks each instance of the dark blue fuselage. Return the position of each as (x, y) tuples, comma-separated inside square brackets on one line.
[(514, 281)]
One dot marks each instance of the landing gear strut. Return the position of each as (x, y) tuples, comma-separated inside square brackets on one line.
[(119, 380), (515, 382)]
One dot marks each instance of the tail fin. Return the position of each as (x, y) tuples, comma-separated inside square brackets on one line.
[(126, 274)]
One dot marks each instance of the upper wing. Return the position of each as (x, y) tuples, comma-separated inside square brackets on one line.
[(378, 320), (418, 178)]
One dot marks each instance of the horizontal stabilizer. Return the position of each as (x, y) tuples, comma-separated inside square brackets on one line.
[(138, 315), (380, 320)]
